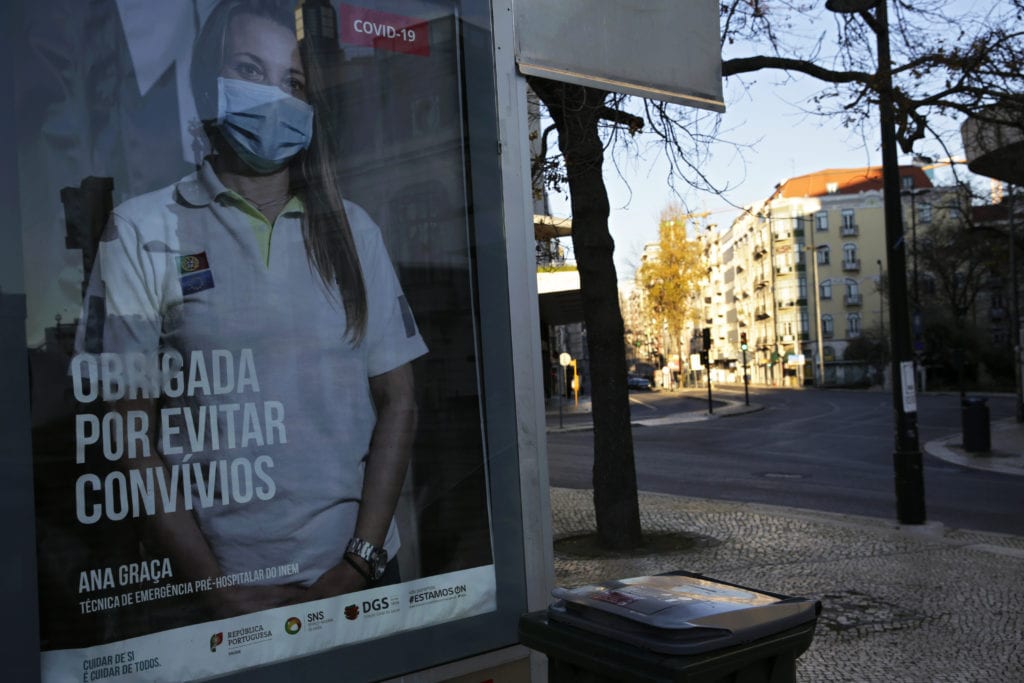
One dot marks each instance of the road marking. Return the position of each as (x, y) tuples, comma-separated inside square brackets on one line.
[(633, 399)]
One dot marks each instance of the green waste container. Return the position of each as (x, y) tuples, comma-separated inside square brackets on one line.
[(671, 627)]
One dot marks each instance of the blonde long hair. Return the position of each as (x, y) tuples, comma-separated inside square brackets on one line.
[(326, 232)]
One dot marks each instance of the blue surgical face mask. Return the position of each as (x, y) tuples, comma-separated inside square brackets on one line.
[(264, 125)]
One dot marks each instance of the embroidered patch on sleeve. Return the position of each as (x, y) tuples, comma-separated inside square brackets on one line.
[(407, 319)]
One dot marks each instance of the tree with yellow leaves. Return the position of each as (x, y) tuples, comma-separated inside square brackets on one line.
[(670, 279)]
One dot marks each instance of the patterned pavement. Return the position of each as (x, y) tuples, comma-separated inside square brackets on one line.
[(924, 604)]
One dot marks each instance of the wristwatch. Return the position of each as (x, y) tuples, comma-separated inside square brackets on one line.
[(376, 558)]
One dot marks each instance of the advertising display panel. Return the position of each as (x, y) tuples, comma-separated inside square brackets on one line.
[(593, 43), (258, 302)]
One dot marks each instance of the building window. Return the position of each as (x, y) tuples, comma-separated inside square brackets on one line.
[(801, 284), (826, 289), (804, 325), (853, 325), (907, 182), (821, 221), (852, 289), (849, 253), (849, 227), (924, 213), (827, 325), (823, 255), (831, 188)]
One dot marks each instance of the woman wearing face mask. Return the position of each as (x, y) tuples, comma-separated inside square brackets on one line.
[(255, 267)]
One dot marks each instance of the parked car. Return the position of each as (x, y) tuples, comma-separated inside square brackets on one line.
[(640, 383)]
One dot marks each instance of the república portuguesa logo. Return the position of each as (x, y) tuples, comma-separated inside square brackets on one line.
[(215, 640), (292, 626)]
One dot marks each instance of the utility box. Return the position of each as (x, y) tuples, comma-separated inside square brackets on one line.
[(671, 627)]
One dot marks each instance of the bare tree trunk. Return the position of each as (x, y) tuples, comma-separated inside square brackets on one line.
[(576, 111)]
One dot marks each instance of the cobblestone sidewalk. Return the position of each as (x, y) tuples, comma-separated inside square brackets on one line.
[(920, 605)]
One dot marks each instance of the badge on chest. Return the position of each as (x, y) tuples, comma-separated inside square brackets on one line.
[(194, 273)]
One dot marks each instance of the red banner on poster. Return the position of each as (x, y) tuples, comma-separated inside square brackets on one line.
[(384, 31)]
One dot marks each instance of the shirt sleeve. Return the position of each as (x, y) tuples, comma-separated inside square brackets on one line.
[(122, 308), (392, 337)]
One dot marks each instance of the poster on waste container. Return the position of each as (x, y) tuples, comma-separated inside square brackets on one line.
[(255, 364)]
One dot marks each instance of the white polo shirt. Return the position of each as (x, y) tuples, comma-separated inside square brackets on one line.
[(191, 268)]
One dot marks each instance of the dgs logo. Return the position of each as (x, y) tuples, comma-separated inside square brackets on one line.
[(313, 617), (375, 605)]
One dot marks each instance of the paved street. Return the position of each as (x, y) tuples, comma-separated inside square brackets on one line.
[(822, 450), (936, 603)]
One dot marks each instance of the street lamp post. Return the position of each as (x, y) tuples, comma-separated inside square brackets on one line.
[(909, 475), (1015, 322), (881, 301)]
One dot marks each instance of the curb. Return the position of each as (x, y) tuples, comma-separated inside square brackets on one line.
[(945, 450), (730, 409)]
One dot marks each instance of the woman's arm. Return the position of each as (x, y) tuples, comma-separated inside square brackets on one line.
[(386, 465), (177, 535)]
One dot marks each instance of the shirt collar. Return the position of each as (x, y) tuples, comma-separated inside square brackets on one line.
[(203, 187)]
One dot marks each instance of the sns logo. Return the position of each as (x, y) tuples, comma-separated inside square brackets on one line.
[(292, 626), (351, 612), (215, 640), (314, 617)]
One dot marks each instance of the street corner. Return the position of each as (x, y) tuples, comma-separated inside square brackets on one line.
[(1006, 455)]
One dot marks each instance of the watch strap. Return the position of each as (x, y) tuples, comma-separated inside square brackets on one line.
[(355, 565), (376, 558)]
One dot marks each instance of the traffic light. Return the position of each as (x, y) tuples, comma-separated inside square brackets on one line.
[(743, 340), (707, 338)]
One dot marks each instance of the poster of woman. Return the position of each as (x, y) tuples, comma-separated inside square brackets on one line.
[(254, 346)]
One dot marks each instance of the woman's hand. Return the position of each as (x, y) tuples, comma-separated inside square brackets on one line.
[(340, 579)]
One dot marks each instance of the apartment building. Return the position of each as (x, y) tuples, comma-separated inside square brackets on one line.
[(803, 273)]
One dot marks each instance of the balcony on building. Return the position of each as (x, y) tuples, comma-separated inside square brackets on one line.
[(852, 300), (849, 230), (783, 235), (851, 266), (783, 270), (827, 334), (762, 313)]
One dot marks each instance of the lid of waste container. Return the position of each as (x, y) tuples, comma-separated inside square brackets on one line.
[(679, 613)]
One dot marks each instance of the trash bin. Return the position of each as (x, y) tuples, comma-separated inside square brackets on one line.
[(975, 422), (671, 627)]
